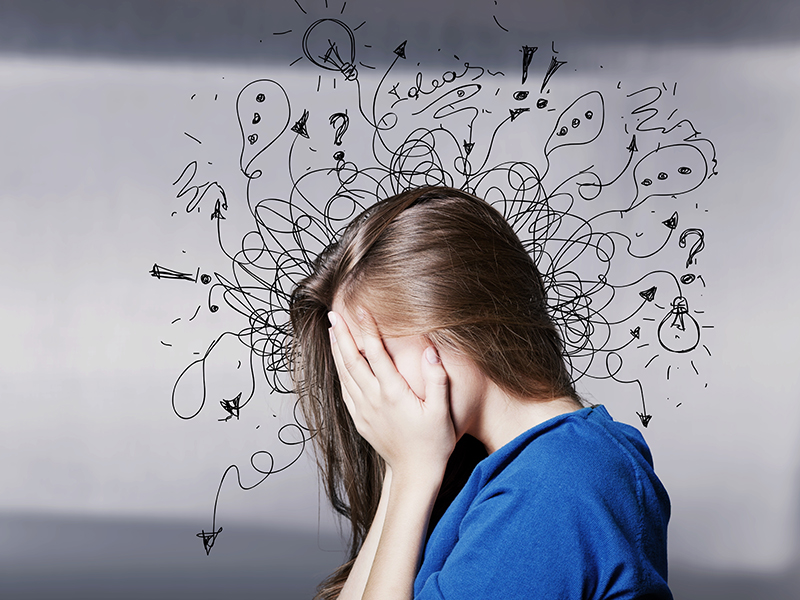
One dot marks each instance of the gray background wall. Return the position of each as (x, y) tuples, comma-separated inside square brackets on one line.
[(103, 487)]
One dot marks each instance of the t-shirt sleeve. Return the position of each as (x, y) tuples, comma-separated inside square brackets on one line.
[(571, 532)]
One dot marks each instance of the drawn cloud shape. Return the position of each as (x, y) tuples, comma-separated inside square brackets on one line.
[(580, 123), (262, 108)]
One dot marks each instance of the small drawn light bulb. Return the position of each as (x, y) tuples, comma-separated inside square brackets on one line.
[(679, 332)]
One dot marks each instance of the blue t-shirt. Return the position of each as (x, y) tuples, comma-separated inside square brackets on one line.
[(569, 509)]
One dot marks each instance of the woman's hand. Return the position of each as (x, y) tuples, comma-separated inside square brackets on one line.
[(415, 436)]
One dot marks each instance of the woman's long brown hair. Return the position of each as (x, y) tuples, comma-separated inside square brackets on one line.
[(431, 261)]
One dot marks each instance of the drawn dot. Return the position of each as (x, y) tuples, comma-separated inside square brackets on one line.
[(260, 98), (647, 182), (460, 93), (339, 155), (520, 95), (213, 308), (562, 131), (687, 279), (205, 278), (256, 118), (541, 103), (576, 122), (589, 114), (252, 138), (662, 176), (684, 170)]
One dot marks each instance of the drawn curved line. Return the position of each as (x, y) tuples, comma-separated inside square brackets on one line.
[(280, 129), (556, 209)]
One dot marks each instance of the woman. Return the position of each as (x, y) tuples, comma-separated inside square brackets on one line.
[(447, 427)]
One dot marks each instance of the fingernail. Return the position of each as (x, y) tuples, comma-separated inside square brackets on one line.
[(361, 313), (333, 335), (431, 356), (332, 318)]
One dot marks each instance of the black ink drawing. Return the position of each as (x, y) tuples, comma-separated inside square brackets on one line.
[(262, 97), (620, 306), (165, 273), (527, 56), (340, 122), (331, 45), (199, 192)]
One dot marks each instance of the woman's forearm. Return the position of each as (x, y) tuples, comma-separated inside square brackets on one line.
[(411, 430), (357, 580), (396, 560)]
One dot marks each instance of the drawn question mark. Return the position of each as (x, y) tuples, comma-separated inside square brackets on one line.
[(696, 248), (340, 122)]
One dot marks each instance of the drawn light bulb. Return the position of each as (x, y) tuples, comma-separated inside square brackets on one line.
[(331, 45), (678, 331)]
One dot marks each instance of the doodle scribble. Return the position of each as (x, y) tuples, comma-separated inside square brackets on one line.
[(164, 273), (679, 331), (696, 248), (198, 192), (209, 538), (573, 214), (262, 109), (301, 127), (330, 44), (340, 122), (231, 407), (527, 57)]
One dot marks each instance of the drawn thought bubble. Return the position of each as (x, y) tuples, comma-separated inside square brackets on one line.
[(669, 171), (580, 123), (262, 108)]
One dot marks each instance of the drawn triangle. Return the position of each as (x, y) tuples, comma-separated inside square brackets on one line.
[(515, 112), (208, 539), (672, 222), (300, 127), (649, 295)]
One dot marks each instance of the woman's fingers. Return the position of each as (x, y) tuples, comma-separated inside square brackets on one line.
[(436, 383), (404, 429), (345, 379), (379, 360), (349, 404), (350, 360)]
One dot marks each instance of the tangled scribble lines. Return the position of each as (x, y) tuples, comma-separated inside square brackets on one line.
[(598, 201)]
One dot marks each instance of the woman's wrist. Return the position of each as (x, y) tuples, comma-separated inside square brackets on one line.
[(424, 479), (357, 580), (412, 495)]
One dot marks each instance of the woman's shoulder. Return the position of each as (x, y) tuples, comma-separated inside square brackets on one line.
[(571, 452), (571, 508)]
